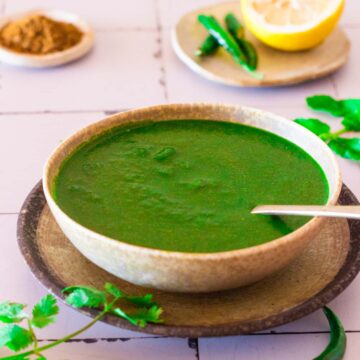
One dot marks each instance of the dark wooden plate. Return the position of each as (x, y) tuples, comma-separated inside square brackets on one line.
[(322, 272)]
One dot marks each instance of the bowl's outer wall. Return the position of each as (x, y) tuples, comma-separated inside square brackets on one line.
[(184, 272)]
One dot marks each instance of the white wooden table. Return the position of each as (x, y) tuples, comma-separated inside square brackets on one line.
[(133, 65)]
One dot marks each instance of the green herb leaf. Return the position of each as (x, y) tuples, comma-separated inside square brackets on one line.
[(337, 345), (346, 148), (142, 317), (44, 311), (81, 296), (15, 337), (314, 125), (352, 122), (11, 312), (142, 301), (139, 301), (350, 106), (119, 312), (113, 290), (326, 104)]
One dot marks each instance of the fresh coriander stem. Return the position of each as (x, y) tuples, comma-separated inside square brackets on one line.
[(340, 132), (334, 135), (107, 308), (60, 341), (31, 329)]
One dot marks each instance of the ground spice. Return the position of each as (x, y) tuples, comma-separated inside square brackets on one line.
[(40, 35)]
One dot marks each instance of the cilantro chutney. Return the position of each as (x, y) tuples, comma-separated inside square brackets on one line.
[(188, 186)]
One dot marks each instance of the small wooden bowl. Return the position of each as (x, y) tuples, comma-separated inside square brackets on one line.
[(11, 57), (192, 272)]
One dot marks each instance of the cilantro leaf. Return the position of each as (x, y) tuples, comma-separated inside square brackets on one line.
[(11, 312), (142, 301), (15, 337), (122, 314), (139, 301), (81, 296), (346, 148), (113, 290), (314, 125), (352, 122), (350, 106), (142, 317), (326, 104), (44, 311)]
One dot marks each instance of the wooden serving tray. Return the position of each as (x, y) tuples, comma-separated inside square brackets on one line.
[(322, 272), (279, 68)]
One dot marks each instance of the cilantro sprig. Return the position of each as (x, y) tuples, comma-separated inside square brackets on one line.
[(108, 300), (349, 110)]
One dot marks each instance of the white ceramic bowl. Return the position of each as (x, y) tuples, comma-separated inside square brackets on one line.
[(54, 59), (192, 272)]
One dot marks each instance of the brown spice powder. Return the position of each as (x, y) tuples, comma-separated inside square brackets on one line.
[(39, 35)]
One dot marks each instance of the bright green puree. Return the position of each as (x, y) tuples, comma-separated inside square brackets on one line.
[(188, 185)]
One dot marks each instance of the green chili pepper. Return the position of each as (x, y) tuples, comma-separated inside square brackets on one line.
[(337, 345), (234, 27), (237, 31), (250, 52), (227, 42), (208, 47)]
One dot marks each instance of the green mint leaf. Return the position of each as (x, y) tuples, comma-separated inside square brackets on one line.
[(80, 296), (346, 148), (44, 311), (314, 125), (15, 337), (350, 106), (352, 122), (142, 301), (142, 317), (337, 345), (11, 312), (113, 290), (326, 104)]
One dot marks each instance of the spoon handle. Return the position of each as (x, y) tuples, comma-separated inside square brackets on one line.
[(349, 212)]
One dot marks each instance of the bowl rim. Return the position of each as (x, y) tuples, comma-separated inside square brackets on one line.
[(265, 247), (38, 60)]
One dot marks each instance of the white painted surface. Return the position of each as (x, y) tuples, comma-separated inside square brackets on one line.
[(40, 108)]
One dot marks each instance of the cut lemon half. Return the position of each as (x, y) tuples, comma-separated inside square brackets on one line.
[(291, 25)]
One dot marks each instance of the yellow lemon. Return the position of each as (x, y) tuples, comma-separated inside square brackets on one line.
[(291, 25)]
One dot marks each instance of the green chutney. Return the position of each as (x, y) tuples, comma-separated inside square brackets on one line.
[(188, 185)]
